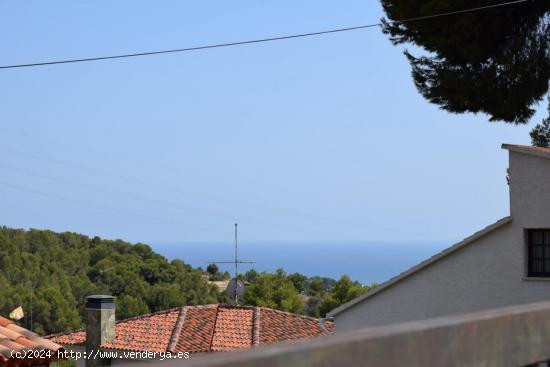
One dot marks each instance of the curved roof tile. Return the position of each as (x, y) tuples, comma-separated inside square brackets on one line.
[(14, 338), (207, 328)]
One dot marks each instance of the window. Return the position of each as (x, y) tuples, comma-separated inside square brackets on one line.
[(538, 249)]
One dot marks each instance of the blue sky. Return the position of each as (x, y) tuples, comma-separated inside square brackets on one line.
[(317, 139)]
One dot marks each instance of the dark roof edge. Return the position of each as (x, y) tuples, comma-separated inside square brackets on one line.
[(422, 265), (525, 149)]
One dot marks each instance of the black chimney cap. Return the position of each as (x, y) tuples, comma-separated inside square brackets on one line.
[(100, 302)]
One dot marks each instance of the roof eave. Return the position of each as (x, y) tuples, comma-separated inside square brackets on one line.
[(526, 150), (420, 266)]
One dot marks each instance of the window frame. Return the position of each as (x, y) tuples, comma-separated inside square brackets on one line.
[(530, 272)]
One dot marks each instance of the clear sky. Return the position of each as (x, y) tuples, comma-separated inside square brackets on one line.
[(312, 139)]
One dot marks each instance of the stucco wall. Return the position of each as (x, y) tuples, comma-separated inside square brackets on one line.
[(487, 273), (530, 190)]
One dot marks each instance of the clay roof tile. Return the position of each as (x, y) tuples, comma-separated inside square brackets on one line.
[(206, 328), (14, 338)]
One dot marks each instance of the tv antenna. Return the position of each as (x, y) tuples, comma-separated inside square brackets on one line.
[(235, 287)]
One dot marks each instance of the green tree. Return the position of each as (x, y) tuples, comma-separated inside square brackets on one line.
[(344, 290), (212, 269), (54, 310), (129, 306), (64, 268), (214, 273), (274, 291), (299, 281), (316, 286), (495, 61), (540, 134), (251, 275), (311, 307)]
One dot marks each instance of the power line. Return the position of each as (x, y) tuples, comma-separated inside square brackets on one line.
[(164, 186), (277, 189), (170, 204), (89, 204), (262, 40), (178, 190), (455, 12)]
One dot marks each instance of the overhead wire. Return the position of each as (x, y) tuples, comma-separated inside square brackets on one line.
[(278, 189), (179, 190), (165, 204), (182, 191), (108, 208), (261, 40)]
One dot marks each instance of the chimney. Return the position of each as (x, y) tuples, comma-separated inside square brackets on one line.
[(100, 327)]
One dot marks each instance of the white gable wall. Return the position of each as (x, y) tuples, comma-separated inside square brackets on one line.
[(530, 190), (487, 273)]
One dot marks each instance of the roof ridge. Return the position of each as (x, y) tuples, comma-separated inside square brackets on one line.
[(214, 329), (291, 313), (62, 333), (236, 306), (256, 327), (323, 327), (149, 314), (177, 330)]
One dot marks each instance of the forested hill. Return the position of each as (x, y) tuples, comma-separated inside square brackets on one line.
[(64, 268)]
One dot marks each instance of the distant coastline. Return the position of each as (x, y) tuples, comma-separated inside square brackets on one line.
[(367, 262)]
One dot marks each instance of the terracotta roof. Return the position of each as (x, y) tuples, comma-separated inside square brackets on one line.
[(14, 338), (208, 328)]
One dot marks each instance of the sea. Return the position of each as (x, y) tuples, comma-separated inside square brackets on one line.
[(366, 262)]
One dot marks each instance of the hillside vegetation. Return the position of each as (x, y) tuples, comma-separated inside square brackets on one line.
[(62, 269)]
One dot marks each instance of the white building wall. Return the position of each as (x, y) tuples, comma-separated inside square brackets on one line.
[(487, 273)]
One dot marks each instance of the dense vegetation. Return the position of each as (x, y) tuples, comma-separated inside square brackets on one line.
[(64, 268), (313, 296)]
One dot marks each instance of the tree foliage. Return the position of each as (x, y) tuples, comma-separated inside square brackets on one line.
[(343, 291), (58, 270), (540, 134), (495, 61), (64, 268), (299, 281), (274, 291), (214, 273), (297, 293)]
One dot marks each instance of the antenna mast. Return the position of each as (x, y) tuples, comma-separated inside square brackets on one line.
[(236, 260), (237, 283)]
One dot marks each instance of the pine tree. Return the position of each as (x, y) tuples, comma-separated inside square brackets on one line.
[(495, 61), (540, 135)]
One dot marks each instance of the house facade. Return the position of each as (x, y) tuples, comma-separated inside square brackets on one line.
[(507, 263)]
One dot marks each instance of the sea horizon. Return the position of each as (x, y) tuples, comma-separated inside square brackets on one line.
[(364, 261)]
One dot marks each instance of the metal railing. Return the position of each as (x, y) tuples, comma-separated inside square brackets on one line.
[(513, 336)]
